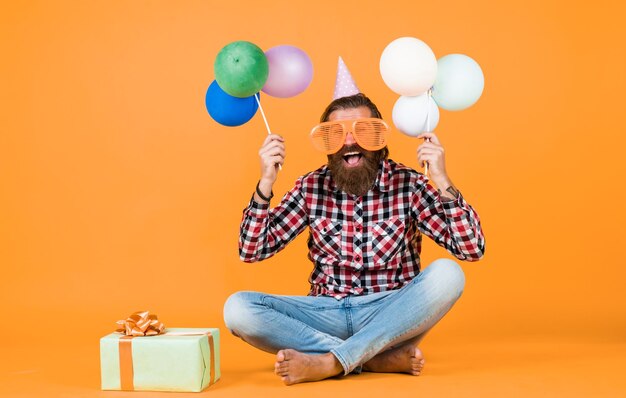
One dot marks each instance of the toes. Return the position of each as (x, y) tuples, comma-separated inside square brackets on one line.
[(281, 368), (281, 371), (416, 366), (417, 359), (287, 354)]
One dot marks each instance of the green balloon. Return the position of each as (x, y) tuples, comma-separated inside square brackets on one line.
[(241, 69)]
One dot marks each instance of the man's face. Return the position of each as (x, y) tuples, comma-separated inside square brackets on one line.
[(353, 168)]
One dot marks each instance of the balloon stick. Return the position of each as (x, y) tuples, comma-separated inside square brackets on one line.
[(267, 126), (430, 90)]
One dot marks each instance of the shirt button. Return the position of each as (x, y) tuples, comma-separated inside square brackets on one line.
[(358, 228), (357, 258)]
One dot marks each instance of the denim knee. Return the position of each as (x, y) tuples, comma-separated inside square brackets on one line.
[(449, 275), (237, 312)]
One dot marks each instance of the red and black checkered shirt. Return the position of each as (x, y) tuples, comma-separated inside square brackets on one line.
[(366, 244)]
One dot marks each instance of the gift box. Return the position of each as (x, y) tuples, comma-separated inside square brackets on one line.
[(176, 359)]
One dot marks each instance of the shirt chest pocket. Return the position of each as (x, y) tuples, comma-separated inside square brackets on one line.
[(326, 235), (386, 239)]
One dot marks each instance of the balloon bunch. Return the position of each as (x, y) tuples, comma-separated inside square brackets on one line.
[(242, 70), (409, 68)]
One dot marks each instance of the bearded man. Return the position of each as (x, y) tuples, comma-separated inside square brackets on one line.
[(370, 304)]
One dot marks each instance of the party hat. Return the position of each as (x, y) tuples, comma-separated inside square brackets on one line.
[(344, 86)]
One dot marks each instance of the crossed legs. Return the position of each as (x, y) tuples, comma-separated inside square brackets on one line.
[(320, 337)]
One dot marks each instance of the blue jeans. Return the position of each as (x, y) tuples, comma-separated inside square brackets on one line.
[(354, 329)]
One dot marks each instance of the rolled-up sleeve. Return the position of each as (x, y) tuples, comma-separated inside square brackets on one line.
[(264, 231), (454, 224)]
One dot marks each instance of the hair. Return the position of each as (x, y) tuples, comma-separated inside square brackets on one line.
[(354, 101)]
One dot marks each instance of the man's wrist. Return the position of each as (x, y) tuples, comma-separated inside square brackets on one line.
[(446, 189), (450, 194), (442, 183), (263, 192)]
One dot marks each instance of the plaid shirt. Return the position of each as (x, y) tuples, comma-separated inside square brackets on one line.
[(366, 244)]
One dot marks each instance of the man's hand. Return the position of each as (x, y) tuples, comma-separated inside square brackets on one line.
[(271, 154), (433, 153)]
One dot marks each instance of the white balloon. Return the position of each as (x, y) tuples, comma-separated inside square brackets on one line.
[(410, 113), (408, 66)]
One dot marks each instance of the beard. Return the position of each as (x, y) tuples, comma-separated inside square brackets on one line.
[(355, 180)]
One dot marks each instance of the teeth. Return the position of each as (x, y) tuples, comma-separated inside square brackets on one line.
[(352, 153)]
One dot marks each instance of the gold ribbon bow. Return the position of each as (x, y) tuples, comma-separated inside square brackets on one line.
[(141, 323)]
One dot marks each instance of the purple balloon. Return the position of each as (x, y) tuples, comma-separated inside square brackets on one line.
[(291, 71)]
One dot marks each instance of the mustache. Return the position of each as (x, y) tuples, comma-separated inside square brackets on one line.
[(349, 148)]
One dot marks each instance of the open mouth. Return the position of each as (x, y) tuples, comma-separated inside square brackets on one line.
[(352, 158)]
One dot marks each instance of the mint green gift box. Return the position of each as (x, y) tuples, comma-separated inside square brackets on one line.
[(180, 359)]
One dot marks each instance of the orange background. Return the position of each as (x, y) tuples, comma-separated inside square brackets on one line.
[(119, 192)]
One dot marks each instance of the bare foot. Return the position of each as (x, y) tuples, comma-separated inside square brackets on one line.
[(403, 359), (295, 367)]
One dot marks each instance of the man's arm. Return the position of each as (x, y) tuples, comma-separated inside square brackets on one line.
[(264, 232), (443, 214), (272, 156), (452, 224)]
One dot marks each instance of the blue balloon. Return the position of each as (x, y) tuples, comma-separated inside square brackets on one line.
[(228, 110)]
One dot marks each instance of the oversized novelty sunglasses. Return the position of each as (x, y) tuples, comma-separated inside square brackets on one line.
[(369, 133)]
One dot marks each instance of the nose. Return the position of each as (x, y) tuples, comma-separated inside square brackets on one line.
[(350, 139)]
